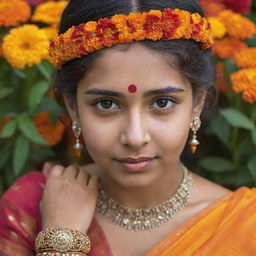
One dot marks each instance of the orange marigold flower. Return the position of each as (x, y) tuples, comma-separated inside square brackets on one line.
[(9, 16), (218, 28), (49, 12), (246, 58), (107, 32), (221, 83), (244, 81), (212, 9), (153, 25), (227, 47), (236, 25), (172, 22), (250, 95), (52, 134)]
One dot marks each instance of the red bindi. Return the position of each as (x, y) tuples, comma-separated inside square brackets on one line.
[(132, 88)]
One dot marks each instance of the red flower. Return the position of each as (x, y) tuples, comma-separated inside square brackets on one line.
[(241, 6), (107, 32), (172, 22)]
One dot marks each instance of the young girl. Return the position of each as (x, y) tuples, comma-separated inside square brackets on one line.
[(136, 76)]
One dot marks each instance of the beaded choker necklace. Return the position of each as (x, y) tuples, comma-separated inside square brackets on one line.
[(145, 218)]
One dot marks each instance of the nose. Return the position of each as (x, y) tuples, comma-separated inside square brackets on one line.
[(134, 134)]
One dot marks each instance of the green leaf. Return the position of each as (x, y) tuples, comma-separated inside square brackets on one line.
[(51, 106), (5, 155), (237, 119), (254, 136), (21, 151), (230, 66), (216, 164), (21, 74), (9, 129), (221, 128), (4, 92), (36, 94), (252, 167), (46, 69), (245, 147), (29, 130)]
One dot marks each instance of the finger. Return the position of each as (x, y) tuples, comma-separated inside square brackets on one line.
[(57, 171), (42, 185), (47, 168), (70, 172), (93, 182), (82, 177)]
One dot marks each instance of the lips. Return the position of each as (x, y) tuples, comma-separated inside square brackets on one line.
[(135, 160)]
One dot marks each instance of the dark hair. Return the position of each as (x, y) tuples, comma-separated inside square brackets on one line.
[(193, 62)]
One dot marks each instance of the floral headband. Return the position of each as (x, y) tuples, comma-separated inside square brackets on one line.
[(168, 24)]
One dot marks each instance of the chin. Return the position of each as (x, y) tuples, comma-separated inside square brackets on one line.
[(138, 180)]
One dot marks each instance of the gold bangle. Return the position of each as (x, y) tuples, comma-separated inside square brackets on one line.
[(62, 239), (59, 254)]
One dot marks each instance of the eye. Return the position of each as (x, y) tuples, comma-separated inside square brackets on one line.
[(104, 105), (165, 103)]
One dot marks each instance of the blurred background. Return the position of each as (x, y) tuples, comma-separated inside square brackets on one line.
[(34, 128)]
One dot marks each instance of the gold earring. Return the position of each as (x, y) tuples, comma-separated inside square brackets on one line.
[(194, 125), (77, 131)]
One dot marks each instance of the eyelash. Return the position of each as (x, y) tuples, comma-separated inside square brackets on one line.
[(174, 101)]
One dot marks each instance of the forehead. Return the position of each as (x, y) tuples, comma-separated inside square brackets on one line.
[(117, 67)]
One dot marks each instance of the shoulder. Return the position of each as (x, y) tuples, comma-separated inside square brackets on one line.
[(205, 192)]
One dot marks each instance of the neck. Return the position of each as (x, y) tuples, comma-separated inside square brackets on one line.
[(146, 196)]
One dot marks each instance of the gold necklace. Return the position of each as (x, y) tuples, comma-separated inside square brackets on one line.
[(145, 218)]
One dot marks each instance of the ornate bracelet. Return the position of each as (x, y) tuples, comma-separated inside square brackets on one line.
[(59, 254), (62, 240)]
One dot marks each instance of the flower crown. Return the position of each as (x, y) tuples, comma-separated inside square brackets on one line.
[(154, 25)]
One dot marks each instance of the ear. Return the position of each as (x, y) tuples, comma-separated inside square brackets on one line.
[(71, 106), (199, 104)]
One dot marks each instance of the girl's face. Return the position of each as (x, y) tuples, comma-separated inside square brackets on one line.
[(134, 104)]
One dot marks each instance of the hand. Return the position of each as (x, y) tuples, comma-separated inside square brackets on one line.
[(69, 198)]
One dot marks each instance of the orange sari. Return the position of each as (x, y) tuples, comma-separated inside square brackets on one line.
[(227, 227)]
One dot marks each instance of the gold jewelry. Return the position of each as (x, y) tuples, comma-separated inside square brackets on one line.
[(77, 132), (62, 239), (59, 254), (194, 125), (145, 218)]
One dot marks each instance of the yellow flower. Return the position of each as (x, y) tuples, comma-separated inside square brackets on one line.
[(49, 12), (244, 81), (218, 28), (51, 32), (25, 45), (246, 58), (9, 16), (236, 25)]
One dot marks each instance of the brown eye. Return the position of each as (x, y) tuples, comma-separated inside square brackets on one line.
[(106, 104), (162, 102), (165, 103)]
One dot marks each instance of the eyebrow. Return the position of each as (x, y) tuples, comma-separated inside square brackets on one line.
[(165, 90)]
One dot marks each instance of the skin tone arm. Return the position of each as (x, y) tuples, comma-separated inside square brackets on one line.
[(77, 193)]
